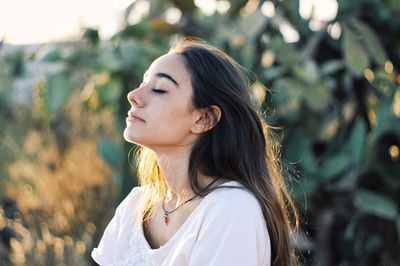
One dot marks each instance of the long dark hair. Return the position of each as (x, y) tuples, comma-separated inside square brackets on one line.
[(238, 147)]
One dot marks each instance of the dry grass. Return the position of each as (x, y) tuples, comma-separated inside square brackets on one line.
[(62, 194)]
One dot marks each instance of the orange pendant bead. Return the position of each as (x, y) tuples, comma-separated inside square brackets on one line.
[(166, 220)]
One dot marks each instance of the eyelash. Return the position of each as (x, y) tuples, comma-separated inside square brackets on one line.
[(158, 91)]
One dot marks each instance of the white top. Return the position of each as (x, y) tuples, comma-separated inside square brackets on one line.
[(226, 228)]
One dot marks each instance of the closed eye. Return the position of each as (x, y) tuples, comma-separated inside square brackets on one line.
[(158, 91)]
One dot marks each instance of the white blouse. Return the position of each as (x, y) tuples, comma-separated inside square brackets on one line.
[(226, 228)]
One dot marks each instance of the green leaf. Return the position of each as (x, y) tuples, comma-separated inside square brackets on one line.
[(355, 56), (273, 72), (285, 53), (305, 188), (110, 92), (373, 243), (389, 174), (129, 52), (311, 71), (317, 97), (308, 160), (384, 120), (350, 228), (140, 31), (376, 204), (357, 141), (293, 87), (92, 36), (185, 6), (307, 72), (287, 96), (398, 225), (53, 54), (371, 41), (59, 90), (110, 152), (109, 61), (253, 24), (331, 67), (299, 149), (334, 165)]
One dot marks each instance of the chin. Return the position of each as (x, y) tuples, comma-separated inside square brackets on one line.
[(128, 136)]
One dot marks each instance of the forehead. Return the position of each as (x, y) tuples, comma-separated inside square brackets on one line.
[(171, 64)]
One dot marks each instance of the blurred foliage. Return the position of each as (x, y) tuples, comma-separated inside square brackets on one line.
[(333, 88)]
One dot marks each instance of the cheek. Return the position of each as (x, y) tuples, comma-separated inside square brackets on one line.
[(174, 123), (175, 114)]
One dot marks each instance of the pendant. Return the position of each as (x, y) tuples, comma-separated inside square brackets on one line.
[(166, 219)]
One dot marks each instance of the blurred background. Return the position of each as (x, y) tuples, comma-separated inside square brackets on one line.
[(332, 87)]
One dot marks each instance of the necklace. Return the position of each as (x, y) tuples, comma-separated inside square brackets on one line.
[(167, 213)]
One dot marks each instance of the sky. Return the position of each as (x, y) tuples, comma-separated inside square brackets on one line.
[(41, 21), (38, 21)]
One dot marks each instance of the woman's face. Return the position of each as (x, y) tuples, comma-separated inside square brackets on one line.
[(161, 112)]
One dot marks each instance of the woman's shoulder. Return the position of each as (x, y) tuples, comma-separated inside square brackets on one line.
[(136, 192), (233, 211), (233, 192), (131, 200), (233, 199)]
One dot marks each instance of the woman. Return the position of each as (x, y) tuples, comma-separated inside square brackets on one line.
[(211, 192)]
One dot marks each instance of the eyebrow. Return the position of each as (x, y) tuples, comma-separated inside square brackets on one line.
[(165, 75)]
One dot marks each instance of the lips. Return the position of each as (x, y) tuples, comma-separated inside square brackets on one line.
[(133, 116)]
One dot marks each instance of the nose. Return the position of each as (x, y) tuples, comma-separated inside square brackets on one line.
[(134, 99)]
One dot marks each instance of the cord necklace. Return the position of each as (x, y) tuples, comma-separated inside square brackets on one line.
[(167, 213)]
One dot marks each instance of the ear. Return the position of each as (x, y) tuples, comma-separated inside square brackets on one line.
[(206, 119)]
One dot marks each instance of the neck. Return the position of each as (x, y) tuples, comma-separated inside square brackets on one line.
[(174, 165)]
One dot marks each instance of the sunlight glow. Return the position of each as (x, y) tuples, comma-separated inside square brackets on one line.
[(316, 25), (208, 7), (141, 9), (394, 152), (335, 30), (289, 33), (396, 104), (389, 67), (320, 10), (173, 15), (268, 9), (369, 74), (27, 22), (41, 21), (268, 58), (223, 6)]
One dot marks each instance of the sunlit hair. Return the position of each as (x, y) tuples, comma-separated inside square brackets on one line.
[(239, 147)]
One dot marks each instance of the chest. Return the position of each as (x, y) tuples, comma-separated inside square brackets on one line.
[(157, 233)]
